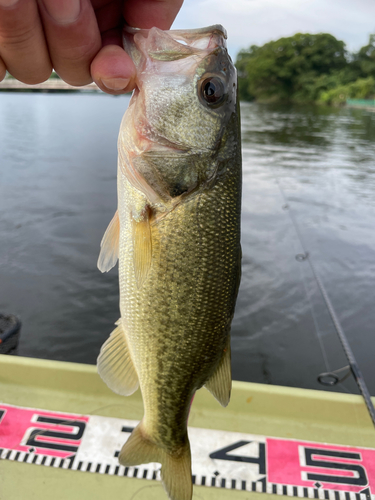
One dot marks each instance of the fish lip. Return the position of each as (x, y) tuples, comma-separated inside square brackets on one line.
[(214, 28)]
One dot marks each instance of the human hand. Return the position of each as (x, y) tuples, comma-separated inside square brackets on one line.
[(80, 39)]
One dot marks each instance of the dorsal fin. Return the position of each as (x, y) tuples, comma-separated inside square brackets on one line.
[(110, 245)]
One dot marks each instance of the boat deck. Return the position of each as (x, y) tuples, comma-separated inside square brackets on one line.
[(268, 420)]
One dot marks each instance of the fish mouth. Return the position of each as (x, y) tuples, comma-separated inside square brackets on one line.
[(158, 45), (215, 35)]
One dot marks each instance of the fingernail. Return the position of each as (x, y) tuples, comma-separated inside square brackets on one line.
[(115, 83), (63, 11), (7, 3)]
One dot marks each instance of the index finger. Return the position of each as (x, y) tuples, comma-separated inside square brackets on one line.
[(73, 37)]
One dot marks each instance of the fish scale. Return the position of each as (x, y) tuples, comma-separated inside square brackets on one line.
[(173, 313)]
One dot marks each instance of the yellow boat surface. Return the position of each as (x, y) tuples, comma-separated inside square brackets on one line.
[(245, 447)]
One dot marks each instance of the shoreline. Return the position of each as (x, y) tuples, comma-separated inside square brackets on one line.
[(49, 85)]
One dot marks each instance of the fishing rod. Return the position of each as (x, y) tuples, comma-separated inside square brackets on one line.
[(353, 365)]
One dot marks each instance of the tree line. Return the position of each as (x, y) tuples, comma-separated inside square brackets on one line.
[(306, 68)]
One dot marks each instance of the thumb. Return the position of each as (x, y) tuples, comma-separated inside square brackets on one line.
[(113, 70)]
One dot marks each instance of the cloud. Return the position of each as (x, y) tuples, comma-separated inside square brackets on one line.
[(251, 22)]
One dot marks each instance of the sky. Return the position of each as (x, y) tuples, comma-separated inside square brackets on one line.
[(256, 22)]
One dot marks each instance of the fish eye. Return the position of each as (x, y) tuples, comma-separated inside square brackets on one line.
[(213, 91)]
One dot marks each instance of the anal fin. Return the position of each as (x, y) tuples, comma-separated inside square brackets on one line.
[(115, 365), (110, 245), (220, 382)]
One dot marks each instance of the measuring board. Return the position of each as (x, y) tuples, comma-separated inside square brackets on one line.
[(221, 459)]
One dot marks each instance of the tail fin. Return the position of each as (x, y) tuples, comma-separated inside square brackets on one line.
[(176, 469)]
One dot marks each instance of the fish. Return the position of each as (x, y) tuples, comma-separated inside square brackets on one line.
[(176, 236)]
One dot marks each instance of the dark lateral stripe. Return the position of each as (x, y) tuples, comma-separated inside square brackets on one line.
[(35, 458), (145, 474), (306, 493), (88, 467), (25, 457), (98, 467), (295, 491), (135, 472), (222, 484), (107, 469), (203, 482), (79, 466), (213, 481), (116, 470), (274, 489), (154, 476), (17, 455), (8, 454), (43, 460), (337, 495), (233, 484), (126, 471), (253, 486), (243, 485), (193, 478)]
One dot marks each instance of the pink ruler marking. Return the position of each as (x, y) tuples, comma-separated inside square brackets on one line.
[(332, 467), (19, 431)]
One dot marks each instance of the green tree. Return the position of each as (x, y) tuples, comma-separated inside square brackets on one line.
[(287, 69), (363, 88), (364, 60), (242, 60)]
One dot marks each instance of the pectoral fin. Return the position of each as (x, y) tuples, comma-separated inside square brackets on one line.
[(110, 245), (115, 365), (142, 244), (220, 383)]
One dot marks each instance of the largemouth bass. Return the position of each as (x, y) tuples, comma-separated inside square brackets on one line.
[(176, 235)]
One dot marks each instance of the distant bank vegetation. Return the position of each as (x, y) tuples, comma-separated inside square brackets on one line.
[(306, 68)]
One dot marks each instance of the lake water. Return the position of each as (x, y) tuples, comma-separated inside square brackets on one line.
[(58, 193)]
